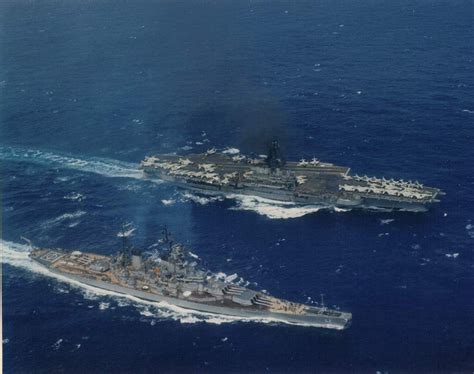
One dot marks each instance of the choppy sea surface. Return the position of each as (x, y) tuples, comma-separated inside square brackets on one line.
[(88, 88)]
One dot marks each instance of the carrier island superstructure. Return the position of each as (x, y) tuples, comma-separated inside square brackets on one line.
[(303, 182), (174, 277)]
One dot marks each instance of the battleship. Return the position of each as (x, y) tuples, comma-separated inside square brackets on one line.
[(172, 275), (305, 182)]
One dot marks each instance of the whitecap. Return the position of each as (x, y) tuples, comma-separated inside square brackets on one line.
[(168, 201), (73, 224), (130, 186), (63, 179), (470, 230), (61, 289), (123, 303), (144, 310), (89, 294), (104, 306), (74, 196), (63, 217), (202, 200), (341, 210), (57, 345)]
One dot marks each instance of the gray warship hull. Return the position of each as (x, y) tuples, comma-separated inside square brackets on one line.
[(316, 319), (369, 203), (301, 183)]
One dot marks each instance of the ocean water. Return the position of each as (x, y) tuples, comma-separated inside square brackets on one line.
[(88, 88)]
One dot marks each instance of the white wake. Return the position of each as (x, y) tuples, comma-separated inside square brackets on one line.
[(102, 166), (274, 209), (269, 208)]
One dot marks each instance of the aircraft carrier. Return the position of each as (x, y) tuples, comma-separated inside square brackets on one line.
[(305, 182), (174, 277)]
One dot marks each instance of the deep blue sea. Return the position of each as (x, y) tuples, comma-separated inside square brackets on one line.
[(88, 88)]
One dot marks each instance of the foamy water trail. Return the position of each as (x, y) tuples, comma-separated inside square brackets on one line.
[(201, 200), (269, 208), (16, 254), (277, 209), (63, 217), (102, 166)]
